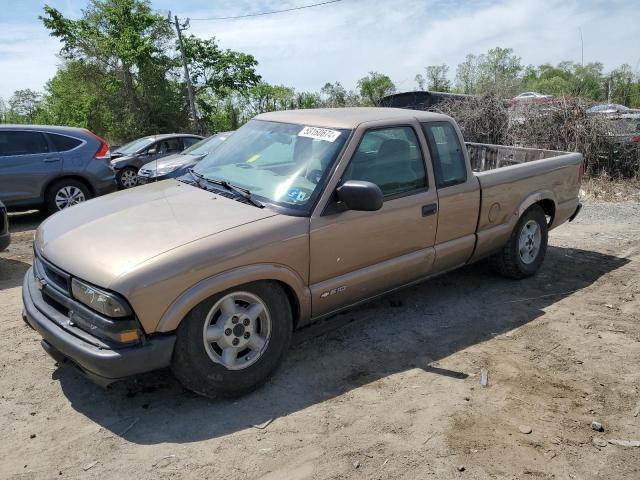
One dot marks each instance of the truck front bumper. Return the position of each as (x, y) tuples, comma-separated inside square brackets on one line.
[(100, 364)]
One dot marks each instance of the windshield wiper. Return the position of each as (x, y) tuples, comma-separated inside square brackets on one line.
[(242, 192)]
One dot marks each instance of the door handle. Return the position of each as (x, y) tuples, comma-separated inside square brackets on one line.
[(430, 209), (51, 160)]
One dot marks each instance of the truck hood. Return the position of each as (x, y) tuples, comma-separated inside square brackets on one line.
[(103, 239)]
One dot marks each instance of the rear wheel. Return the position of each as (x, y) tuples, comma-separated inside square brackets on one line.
[(525, 250), (232, 342), (66, 193), (127, 177)]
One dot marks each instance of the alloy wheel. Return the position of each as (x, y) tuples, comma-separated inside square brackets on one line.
[(237, 330)]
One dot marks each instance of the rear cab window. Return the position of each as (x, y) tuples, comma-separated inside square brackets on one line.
[(22, 142), (446, 152)]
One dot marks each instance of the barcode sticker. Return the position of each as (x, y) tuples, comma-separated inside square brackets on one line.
[(319, 133)]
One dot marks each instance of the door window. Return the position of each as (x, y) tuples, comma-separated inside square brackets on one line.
[(391, 158), (189, 141), (22, 142), (446, 153), (171, 145)]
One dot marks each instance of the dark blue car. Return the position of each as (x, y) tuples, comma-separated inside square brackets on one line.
[(177, 165)]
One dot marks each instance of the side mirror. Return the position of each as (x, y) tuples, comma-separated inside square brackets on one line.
[(152, 151), (360, 195)]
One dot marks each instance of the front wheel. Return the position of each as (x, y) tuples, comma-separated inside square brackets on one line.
[(525, 250), (127, 177), (232, 342)]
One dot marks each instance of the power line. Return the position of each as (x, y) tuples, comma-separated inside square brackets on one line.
[(258, 14)]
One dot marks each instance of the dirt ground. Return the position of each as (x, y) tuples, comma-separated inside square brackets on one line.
[(388, 390)]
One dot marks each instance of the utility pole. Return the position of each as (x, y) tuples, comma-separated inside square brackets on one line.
[(187, 77), (581, 48)]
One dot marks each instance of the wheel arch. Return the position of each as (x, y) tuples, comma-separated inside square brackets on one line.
[(545, 199), (292, 284), (78, 178)]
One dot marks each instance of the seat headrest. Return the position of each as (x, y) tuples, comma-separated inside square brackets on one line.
[(393, 147)]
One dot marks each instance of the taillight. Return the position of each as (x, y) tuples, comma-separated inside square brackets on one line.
[(103, 152), (636, 139)]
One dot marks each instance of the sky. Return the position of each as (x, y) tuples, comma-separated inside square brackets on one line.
[(346, 40)]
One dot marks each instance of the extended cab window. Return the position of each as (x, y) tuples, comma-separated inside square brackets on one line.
[(446, 153), (391, 158)]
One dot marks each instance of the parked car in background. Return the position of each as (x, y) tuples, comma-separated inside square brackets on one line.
[(530, 97), (612, 108), (298, 215), (177, 165), (127, 160), (5, 238), (52, 167), (624, 128)]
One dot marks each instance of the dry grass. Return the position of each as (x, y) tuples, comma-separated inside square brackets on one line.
[(604, 188)]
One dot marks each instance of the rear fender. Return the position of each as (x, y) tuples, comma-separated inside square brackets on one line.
[(233, 278)]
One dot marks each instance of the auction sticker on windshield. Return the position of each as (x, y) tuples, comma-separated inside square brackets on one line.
[(319, 133)]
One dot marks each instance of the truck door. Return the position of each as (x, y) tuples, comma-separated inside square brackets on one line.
[(27, 163), (356, 255), (458, 195)]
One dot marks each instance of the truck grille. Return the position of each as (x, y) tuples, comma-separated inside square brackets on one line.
[(54, 276)]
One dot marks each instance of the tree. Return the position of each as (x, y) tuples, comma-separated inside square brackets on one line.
[(467, 75), (374, 87), (436, 78), (127, 43), (23, 106), (334, 95), (499, 70)]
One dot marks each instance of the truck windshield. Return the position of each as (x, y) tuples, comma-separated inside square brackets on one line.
[(280, 163)]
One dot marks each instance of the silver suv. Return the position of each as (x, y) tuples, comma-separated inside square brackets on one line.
[(52, 167)]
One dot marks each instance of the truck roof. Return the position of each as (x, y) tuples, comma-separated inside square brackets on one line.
[(347, 117)]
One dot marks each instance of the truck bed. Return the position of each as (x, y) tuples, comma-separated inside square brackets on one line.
[(513, 178), (484, 156)]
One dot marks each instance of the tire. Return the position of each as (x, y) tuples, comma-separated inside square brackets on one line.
[(127, 177), (65, 193), (199, 363), (516, 262)]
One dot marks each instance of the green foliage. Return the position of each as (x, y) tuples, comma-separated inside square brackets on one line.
[(23, 107), (217, 70), (435, 79), (498, 70), (374, 87)]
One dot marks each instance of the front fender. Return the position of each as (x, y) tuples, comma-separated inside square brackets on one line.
[(233, 278)]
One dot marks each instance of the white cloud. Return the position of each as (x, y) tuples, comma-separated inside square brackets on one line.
[(346, 40), (27, 58)]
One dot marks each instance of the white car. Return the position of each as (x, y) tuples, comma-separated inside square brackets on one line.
[(530, 96)]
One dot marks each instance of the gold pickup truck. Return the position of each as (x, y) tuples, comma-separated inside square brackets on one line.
[(298, 215)]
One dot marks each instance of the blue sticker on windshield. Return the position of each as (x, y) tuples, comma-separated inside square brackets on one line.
[(296, 195)]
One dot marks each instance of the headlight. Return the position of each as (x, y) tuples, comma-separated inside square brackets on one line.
[(102, 302), (165, 170)]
